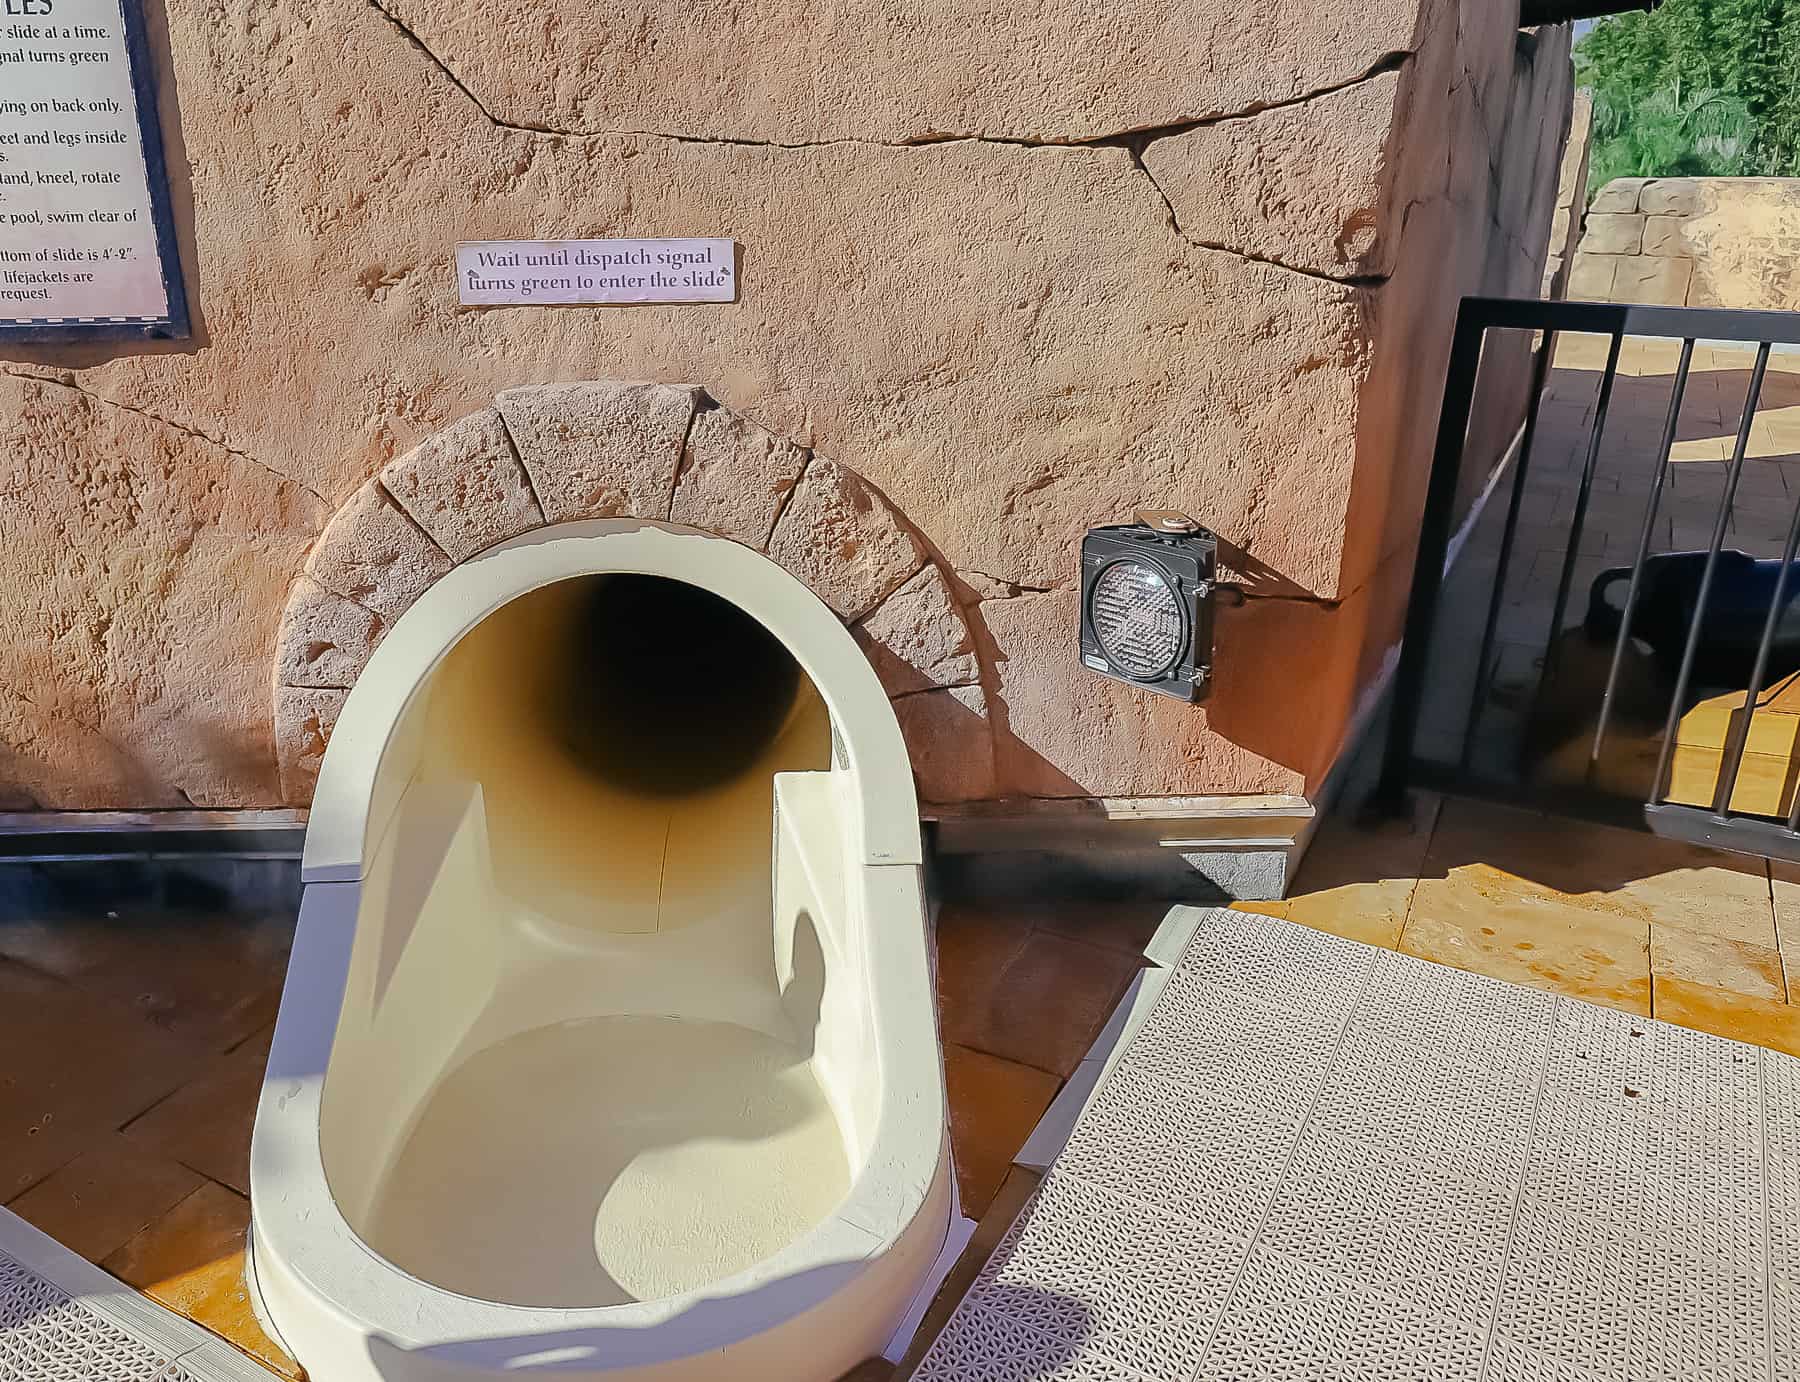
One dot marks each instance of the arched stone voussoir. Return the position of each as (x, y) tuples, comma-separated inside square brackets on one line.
[(917, 638), (841, 537), (372, 553), (735, 476), (602, 449), (465, 486), (304, 717), (325, 640), (608, 449)]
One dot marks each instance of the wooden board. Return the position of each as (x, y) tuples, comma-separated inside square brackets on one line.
[(1771, 765)]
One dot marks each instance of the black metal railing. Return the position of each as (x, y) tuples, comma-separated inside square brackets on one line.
[(1714, 822)]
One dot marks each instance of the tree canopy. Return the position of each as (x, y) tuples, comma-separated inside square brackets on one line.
[(1697, 87)]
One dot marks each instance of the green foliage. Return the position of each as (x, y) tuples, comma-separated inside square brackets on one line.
[(1670, 133), (1697, 87)]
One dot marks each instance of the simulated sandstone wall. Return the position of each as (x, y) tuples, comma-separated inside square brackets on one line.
[(1525, 182), (1571, 198), (1694, 242), (1013, 273)]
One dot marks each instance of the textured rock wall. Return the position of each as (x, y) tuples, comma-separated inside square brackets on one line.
[(1694, 242), (1022, 273), (1501, 98), (1571, 198), (1527, 185)]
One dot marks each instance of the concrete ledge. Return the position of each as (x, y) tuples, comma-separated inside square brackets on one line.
[(1185, 848)]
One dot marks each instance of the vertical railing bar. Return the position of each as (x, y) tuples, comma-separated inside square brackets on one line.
[(1428, 562), (1739, 734), (1643, 551), (1484, 673), (1571, 552), (1672, 724)]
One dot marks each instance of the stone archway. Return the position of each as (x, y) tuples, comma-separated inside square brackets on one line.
[(557, 453)]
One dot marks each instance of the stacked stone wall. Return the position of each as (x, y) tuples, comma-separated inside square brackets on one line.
[(1692, 242)]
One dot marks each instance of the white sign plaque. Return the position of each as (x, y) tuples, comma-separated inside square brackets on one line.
[(78, 227), (495, 273)]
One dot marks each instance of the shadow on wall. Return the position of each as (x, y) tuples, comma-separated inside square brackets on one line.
[(124, 905), (1472, 205), (227, 751), (1283, 682), (1253, 576)]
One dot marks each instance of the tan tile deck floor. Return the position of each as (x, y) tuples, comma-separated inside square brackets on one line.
[(125, 1134), (1619, 917), (133, 1040)]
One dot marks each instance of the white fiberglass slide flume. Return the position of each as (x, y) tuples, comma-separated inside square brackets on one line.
[(577, 1074)]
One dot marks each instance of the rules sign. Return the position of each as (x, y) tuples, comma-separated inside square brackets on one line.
[(514, 273), (86, 240)]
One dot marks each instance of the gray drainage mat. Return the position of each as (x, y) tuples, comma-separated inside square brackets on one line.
[(46, 1335), (64, 1320), (1319, 1160)]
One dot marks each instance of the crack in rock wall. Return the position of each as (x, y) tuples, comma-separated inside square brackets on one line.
[(1026, 274), (1300, 185), (794, 73)]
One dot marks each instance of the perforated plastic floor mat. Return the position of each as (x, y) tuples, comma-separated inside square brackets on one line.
[(1318, 1160), (65, 1320)]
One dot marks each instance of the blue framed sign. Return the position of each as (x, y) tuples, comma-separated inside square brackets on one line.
[(87, 236)]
